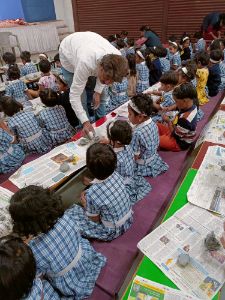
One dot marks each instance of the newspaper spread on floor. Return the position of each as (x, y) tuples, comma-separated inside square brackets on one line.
[(185, 233), (214, 130), (5, 196), (143, 288), (208, 188)]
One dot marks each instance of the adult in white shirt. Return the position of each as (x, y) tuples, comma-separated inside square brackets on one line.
[(84, 54)]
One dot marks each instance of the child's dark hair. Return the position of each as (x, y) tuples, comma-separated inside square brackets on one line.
[(9, 106), (132, 64), (130, 42), (101, 160), (17, 268), (216, 55), (191, 69), (215, 45), (25, 55), (13, 72), (60, 78), (111, 38), (202, 57), (169, 77), (124, 32), (56, 57), (184, 38), (174, 44), (144, 104), (34, 210), (120, 43), (45, 66), (9, 58), (172, 38), (162, 52), (48, 97), (197, 35), (119, 131), (185, 90)]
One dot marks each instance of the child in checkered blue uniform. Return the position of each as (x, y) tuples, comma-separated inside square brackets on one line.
[(62, 256), (200, 44), (10, 60), (54, 118), (16, 88), (28, 66), (145, 141), (165, 63), (166, 103), (25, 127), (130, 46), (174, 51), (120, 134), (11, 154), (18, 273), (118, 94), (142, 73), (106, 212)]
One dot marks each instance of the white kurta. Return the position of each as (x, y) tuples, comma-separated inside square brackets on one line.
[(80, 53)]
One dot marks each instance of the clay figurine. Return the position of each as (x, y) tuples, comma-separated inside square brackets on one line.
[(211, 242), (183, 260), (64, 167)]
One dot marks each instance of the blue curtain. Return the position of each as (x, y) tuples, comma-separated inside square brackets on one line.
[(38, 10), (11, 9)]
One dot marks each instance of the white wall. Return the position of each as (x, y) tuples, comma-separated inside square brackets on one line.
[(64, 11)]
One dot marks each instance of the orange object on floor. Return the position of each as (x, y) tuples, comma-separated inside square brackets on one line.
[(166, 140)]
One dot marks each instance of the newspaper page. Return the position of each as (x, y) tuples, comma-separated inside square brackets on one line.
[(214, 130), (223, 102), (185, 232), (208, 188), (145, 289), (5, 196)]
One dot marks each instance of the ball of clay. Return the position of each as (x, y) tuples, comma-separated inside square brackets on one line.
[(90, 135), (64, 167), (83, 142), (183, 260)]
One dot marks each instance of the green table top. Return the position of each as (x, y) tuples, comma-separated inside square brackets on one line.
[(147, 268)]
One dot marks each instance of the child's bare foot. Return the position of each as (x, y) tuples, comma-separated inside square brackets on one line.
[(87, 181)]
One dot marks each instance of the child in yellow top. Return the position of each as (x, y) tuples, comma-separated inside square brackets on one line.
[(202, 61)]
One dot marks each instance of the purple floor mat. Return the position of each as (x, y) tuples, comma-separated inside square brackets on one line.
[(121, 252)]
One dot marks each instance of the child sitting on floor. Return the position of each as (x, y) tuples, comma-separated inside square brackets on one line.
[(121, 46), (168, 82), (202, 61), (28, 67), (132, 76), (106, 212), (145, 140), (120, 135), (142, 73), (117, 94), (200, 44), (47, 80), (185, 52), (175, 61), (69, 262), (180, 134), (18, 273), (54, 119), (153, 64), (16, 88), (164, 61), (214, 79), (11, 154), (130, 46), (10, 60), (25, 127)]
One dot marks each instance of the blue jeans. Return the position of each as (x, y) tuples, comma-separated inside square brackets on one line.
[(101, 110)]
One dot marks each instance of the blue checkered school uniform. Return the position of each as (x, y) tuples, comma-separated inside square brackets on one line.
[(200, 45), (142, 77), (63, 247), (110, 200), (16, 89), (169, 55), (137, 187), (123, 52), (31, 136), (145, 143), (42, 289), (28, 68), (118, 94), (176, 60), (130, 50), (165, 64), (54, 119), (167, 100), (11, 155), (222, 76)]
